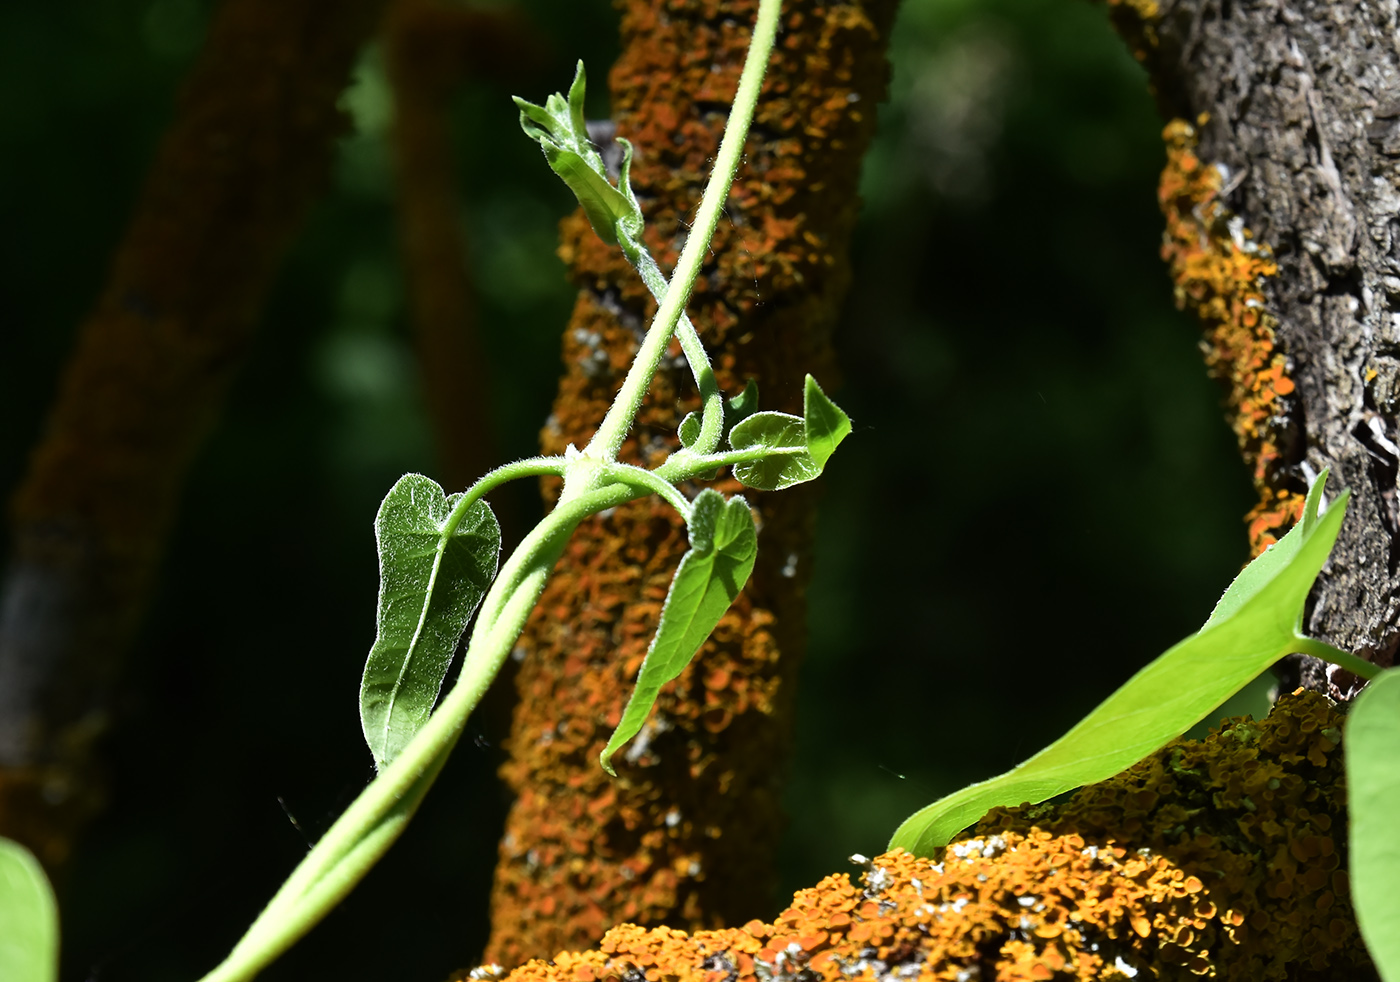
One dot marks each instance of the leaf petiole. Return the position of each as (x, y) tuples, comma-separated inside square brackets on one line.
[(1342, 659)]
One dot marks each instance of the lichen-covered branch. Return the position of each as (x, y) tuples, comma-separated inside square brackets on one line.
[(1281, 192), (1222, 858), (248, 152), (687, 834)]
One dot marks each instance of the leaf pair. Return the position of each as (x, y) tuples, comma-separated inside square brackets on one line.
[(797, 447), (559, 128), (433, 572), (723, 547), (1255, 623)]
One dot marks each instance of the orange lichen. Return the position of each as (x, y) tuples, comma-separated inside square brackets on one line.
[(1218, 270), (686, 835), (1221, 859)]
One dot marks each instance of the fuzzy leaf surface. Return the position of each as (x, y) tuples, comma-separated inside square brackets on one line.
[(1372, 744), (430, 584), (783, 434), (28, 918), (559, 128), (1166, 697), (723, 547)]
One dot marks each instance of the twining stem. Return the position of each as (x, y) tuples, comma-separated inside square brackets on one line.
[(608, 440), (1338, 657), (711, 399), (377, 817)]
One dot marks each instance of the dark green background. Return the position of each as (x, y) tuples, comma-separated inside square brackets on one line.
[(1039, 494)]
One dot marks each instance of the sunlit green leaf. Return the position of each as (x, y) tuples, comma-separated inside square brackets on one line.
[(786, 436), (723, 547), (826, 424), (1372, 742), (1165, 698), (28, 918), (559, 128), (430, 583)]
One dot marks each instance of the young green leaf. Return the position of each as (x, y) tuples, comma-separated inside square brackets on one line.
[(825, 423), (689, 430), (430, 583), (788, 462), (723, 547), (1165, 698), (559, 128), (1372, 741), (741, 407), (28, 918)]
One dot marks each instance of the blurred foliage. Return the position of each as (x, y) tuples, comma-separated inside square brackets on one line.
[(1030, 410)]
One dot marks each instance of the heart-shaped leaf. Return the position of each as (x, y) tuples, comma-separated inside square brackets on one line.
[(28, 918), (431, 579), (723, 547), (559, 128), (1252, 627), (1372, 741), (798, 446), (785, 437)]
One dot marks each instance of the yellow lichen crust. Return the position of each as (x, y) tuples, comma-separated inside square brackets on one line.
[(1220, 859), (687, 833), (1218, 270)]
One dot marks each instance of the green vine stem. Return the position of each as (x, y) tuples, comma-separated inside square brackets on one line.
[(594, 482), (1342, 659), (608, 439)]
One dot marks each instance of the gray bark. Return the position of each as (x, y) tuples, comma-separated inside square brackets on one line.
[(1304, 104)]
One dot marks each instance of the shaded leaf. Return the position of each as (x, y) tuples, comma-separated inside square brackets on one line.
[(826, 425), (741, 407), (28, 918), (723, 547), (1165, 698), (430, 583), (1372, 741), (559, 128)]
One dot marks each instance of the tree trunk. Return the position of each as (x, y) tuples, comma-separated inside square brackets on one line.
[(1282, 191), (687, 834)]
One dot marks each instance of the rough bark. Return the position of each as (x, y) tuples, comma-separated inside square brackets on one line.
[(248, 152), (687, 834), (1222, 858), (1288, 117)]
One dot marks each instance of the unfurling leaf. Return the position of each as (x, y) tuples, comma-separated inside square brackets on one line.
[(799, 446), (1372, 742), (559, 128), (28, 918), (1256, 623), (723, 547), (430, 583)]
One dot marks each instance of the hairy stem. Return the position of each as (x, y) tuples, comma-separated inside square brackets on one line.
[(379, 815), (608, 440)]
